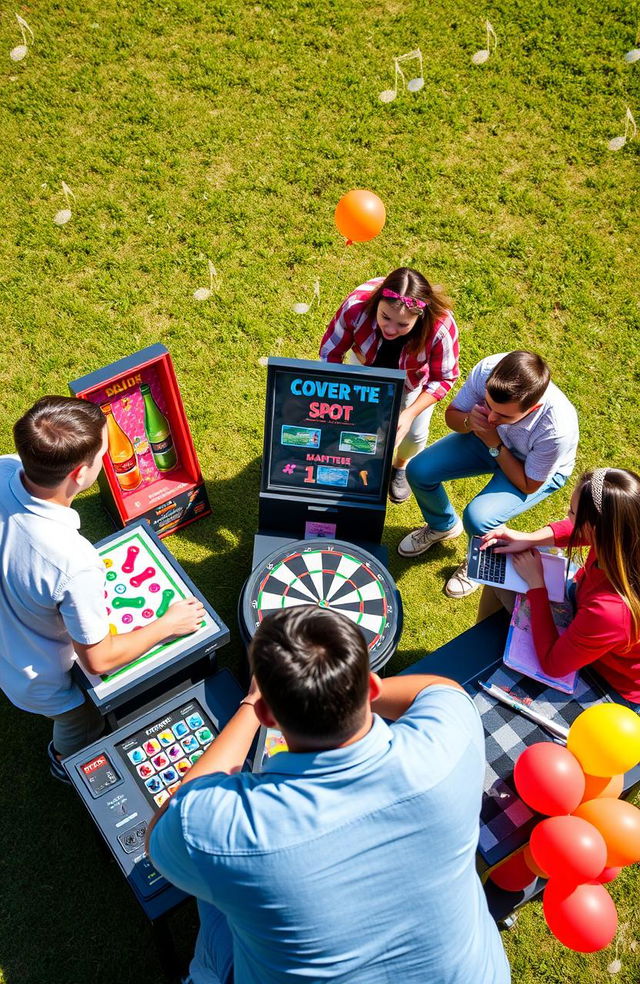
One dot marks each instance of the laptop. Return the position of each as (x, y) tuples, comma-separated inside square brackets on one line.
[(497, 570)]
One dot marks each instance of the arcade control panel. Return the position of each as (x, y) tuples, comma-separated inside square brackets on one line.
[(124, 777)]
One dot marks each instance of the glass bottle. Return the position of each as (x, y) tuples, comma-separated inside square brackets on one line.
[(121, 452), (158, 432)]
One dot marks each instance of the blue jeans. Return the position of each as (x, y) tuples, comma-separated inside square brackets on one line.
[(462, 456)]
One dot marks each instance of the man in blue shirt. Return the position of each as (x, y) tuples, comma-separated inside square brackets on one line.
[(351, 858)]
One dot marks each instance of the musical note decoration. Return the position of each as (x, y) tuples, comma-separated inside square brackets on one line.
[(630, 131), (204, 293), (413, 85), (632, 56), (20, 51), (482, 56), (64, 214), (302, 308)]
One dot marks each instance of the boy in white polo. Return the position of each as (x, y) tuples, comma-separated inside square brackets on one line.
[(52, 606)]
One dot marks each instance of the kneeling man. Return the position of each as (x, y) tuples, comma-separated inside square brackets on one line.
[(511, 422)]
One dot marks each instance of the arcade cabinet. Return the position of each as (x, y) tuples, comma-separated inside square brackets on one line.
[(164, 709), (328, 448)]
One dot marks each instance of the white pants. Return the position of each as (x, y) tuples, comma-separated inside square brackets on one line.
[(416, 439), (418, 434)]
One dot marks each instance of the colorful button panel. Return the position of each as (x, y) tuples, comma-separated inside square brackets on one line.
[(161, 762)]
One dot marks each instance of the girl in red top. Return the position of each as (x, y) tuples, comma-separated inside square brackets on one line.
[(400, 322), (604, 515)]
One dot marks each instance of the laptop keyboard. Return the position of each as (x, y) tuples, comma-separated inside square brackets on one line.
[(492, 567)]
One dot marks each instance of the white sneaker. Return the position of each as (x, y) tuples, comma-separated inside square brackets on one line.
[(420, 540), (459, 585)]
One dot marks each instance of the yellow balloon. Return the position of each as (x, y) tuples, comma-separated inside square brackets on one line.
[(606, 739)]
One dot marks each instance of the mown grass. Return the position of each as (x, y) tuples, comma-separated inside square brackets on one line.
[(229, 131)]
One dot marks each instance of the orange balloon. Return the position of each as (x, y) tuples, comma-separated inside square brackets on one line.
[(360, 216), (600, 787), (619, 824), (530, 863)]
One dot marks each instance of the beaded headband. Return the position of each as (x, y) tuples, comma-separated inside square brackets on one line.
[(407, 301), (597, 486)]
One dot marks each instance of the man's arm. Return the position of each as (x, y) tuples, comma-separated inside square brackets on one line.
[(182, 618), (514, 469), (457, 420), (398, 693), (475, 422)]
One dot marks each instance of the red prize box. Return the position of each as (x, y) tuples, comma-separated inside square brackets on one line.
[(151, 469)]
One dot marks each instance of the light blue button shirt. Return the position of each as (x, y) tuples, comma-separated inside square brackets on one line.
[(51, 591), (353, 865)]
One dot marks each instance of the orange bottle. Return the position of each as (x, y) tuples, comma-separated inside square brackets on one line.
[(123, 457)]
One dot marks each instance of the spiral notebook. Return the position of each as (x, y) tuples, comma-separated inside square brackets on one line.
[(520, 652)]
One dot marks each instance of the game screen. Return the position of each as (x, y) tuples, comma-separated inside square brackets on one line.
[(140, 586), (327, 433), (160, 755)]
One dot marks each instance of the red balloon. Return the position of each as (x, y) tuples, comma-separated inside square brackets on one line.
[(619, 824), (513, 874), (360, 216), (608, 874), (549, 778), (568, 848), (582, 917)]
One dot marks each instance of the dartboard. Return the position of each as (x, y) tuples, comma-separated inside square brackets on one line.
[(331, 574)]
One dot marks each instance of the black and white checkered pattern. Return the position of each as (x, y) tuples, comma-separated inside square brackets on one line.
[(507, 734)]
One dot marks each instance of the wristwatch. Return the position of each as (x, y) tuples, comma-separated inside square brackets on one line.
[(494, 452)]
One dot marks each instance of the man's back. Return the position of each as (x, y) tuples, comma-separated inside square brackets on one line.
[(355, 864)]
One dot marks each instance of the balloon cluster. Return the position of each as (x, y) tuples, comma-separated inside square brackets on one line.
[(589, 834)]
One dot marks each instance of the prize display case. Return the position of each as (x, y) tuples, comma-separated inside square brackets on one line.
[(151, 469)]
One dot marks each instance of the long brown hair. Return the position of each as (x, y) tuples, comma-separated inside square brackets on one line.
[(410, 283), (611, 507)]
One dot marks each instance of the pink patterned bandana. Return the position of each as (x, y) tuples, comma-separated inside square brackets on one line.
[(409, 302)]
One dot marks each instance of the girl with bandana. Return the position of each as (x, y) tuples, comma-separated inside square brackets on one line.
[(400, 322)]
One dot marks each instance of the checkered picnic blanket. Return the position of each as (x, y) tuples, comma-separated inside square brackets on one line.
[(507, 734)]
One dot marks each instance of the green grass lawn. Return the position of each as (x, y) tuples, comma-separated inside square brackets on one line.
[(228, 131)]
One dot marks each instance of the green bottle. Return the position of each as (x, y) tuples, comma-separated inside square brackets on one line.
[(158, 432)]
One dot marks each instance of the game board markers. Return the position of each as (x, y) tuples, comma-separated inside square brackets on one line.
[(130, 559), (139, 578), (121, 602), (167, 595), (520, 708)]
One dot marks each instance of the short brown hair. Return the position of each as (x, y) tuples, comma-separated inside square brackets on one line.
[(312, 667), (56, 435), (521, 377)]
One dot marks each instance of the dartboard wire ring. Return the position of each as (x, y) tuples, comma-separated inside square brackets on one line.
[(381, 644), (346, 579)]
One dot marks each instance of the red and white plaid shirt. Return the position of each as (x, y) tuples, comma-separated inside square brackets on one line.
[(434, 368)]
